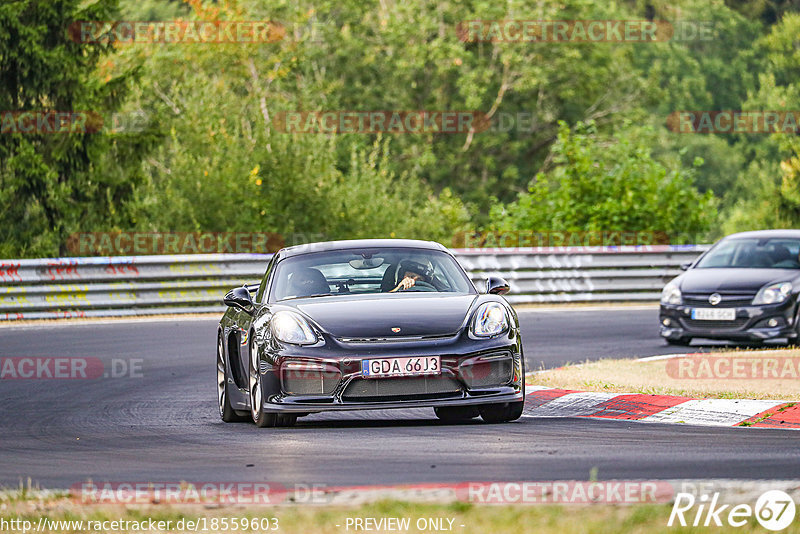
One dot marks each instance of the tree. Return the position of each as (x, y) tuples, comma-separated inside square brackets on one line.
[(602, 184), (49, 183), (225, 167), (769, 188)]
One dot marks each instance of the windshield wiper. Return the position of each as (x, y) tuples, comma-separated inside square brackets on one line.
[(308, 296)]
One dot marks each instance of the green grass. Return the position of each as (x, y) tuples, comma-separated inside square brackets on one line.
[(478, 519), (653, 378)]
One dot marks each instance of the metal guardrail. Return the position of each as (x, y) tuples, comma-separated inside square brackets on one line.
[(573, 275), (145, 285), (118, 286)]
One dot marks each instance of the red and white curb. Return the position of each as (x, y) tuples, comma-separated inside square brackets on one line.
[(550, 402)]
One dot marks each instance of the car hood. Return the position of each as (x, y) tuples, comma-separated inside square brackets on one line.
[(370, 316), (732, 279)]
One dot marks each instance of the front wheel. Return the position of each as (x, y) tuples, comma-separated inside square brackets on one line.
[(261, 418), (680, 341), (794, 339), (226, 411), (286, 419), (502, 413)]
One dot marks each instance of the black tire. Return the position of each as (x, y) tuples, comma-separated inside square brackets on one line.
[(502, 413), (454, 414), (255, 388), (226, 412), (794, 340), (286, 419), (680, 341)]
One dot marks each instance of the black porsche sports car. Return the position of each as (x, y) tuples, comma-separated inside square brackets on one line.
[(745, 287), (368, 324)]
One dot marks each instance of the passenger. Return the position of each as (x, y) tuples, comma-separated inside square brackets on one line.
[(306, 282)]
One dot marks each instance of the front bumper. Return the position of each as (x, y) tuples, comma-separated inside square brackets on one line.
[(752, 323), (298, 405), (329, 377)]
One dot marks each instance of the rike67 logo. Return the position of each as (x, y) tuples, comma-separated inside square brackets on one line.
[(774, 510)]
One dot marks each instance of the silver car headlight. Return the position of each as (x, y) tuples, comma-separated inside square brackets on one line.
[(773, 293), (490, 319), (671, 294), (291, 327)]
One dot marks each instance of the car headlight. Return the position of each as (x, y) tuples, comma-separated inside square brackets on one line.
[(773, 293), (671, 294), (490, 319), (290, 327)]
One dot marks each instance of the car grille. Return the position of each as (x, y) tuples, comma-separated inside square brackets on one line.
[(392, 339), (412, 387), (489, 373), (692, 324), (729, 300)]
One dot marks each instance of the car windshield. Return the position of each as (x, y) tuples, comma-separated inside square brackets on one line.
[(363, 271), (753, 253)]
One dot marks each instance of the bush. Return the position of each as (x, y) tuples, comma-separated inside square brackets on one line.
[(610, 184)]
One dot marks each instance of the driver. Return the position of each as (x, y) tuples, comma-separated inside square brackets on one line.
[(413, 272)]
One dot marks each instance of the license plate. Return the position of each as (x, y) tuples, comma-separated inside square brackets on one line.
[(714, 314), (382, 367)]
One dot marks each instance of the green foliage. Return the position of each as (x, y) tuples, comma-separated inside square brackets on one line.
[(407, 56), (48, 183), (604, 184), (768, 194), (154, 10), (583, 147), (223, 166)]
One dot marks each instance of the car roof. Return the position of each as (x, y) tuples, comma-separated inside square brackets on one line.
[(763, 234), (358, 244)]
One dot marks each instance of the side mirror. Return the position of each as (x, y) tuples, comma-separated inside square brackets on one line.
[(497, 286), (685, 266), (239, 298)]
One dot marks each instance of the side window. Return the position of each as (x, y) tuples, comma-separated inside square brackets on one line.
[(261, 296)]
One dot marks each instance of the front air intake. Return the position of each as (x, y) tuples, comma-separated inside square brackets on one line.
[(309, 380), (487, 371), (412, 387)]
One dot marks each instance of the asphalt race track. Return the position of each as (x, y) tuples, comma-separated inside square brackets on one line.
[(160, 423), (556, 336)]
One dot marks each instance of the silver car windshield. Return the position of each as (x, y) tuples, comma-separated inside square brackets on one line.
[(752, 253), (375, 270)]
